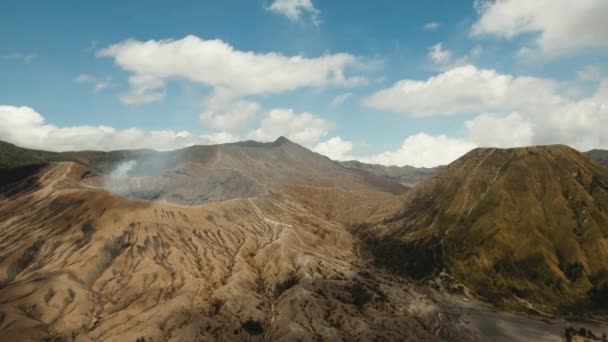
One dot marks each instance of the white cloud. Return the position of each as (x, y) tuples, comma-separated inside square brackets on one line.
[(232, 74), (485, 130), (303, 128), (223, 112), (466, 89), (581, 124), (213, 62), (431, 26), (26, 58), (508, 131), (295, 9), (340, 99), (335, 148), (144, 89), (540, 111), (589, 73), (97, 83), (424, 150), (420, 150), (560, 25), (439, 55), (25, 127)]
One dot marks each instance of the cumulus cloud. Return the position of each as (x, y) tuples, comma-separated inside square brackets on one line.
[(439, 55), (215, 63), (485, 130), (335, 148), (98, 84), (25, 127), (419, 150), (466, 89), (423, 150), (431, 26), (222, 112), (560, 25), (510, 110), (581, 124), (507, 131), (302, 128), (296, 9)]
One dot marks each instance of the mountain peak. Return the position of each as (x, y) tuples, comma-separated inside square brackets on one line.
[(530, 216), (488, 154), (281, 141), (525, 149)]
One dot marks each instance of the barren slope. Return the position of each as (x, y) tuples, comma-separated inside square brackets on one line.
[(83, 262), (234, 242), (204, 174)]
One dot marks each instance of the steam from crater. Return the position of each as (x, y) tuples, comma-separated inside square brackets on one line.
[(137, 179), (122, 170), (161, 178), (120, 180)]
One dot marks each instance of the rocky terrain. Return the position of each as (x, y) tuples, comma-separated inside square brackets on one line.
[(272, 242)]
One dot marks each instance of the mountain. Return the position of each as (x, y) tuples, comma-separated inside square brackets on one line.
[(204, 243), (600, 156), (516, 226), (244, 241), (406, 175)]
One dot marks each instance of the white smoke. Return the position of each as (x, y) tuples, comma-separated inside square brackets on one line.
[(122, 170), (118, 179), (142, 178)]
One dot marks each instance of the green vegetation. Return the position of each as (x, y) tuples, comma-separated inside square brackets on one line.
[(13, 156)]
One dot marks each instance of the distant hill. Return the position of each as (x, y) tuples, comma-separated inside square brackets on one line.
[(406, 175), (529, 223), (12, 156), (213, 173), (274, 164), (600, 156)]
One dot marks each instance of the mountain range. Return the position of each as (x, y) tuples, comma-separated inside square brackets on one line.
[(270, 241)]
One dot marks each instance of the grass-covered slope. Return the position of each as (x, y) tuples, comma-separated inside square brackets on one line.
[(530, 223), (13, 156)]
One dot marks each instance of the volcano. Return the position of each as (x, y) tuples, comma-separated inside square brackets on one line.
[(515, 225), (271, 242)]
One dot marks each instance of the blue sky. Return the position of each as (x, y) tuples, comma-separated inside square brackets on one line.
[(391, 82)]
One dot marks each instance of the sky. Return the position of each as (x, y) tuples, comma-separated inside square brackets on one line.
[(388, 82)]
